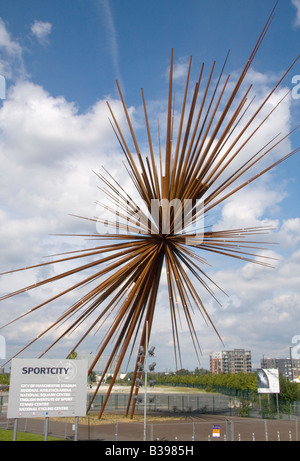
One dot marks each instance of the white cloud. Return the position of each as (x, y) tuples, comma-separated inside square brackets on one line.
[(180, 69), (11, 60), (41, 31), (43, 123), (289, 233), (296, 4), (6, 42), (261, 313), (47, 152), (250, 206)]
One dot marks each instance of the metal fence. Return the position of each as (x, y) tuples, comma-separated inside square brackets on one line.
[(229, 429), (197, 415), (174, 403), (206, 403)]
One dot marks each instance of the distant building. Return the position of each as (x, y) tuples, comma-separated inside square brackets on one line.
[(234, 361), (289, 368), (216, 363)]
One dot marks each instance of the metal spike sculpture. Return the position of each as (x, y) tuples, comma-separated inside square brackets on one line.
[(127, 269)]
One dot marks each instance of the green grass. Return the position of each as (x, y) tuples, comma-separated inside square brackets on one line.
[(7, 436)]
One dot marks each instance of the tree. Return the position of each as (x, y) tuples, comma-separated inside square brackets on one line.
[(183, 372), (73, 356), (200, 371), (4, 378), (92, 377), (288, 391)]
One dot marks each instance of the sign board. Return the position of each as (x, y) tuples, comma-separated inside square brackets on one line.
[(216, 430), (268, 381), (45, 388)]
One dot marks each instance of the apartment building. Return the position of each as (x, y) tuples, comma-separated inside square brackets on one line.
[(235, 361), (289, 368)]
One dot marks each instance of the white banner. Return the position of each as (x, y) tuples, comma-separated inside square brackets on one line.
[(268, 381), (44, 388)]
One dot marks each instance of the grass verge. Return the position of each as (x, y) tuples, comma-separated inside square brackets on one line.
[(6, 435)]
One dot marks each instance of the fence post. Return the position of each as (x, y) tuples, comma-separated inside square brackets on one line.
[(76, 429), (229, 430), (266, 430), (66, 428), (46, 429), (194, 432), (15, 430)]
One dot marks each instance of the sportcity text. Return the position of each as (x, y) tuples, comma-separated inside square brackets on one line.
[(45, 370)]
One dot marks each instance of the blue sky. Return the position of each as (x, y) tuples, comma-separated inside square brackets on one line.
[(60, 60), (94, 42)]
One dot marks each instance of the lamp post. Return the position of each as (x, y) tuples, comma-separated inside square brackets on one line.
[(145, 353), (146, 379), (291, 360)]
